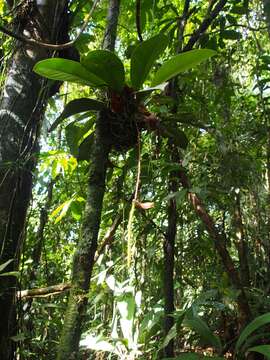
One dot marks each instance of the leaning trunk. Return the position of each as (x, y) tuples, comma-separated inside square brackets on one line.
[(22, 105), (220, 246)]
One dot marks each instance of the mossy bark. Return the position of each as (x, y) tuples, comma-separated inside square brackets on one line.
[(22, 106), (84, 257)]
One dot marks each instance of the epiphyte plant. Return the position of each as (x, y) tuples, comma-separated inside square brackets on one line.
[(124, 109)]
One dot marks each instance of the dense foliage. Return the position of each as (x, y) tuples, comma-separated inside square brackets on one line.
[(159, 144)]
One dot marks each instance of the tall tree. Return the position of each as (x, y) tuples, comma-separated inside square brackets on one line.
[(23, 101), (84, 257)]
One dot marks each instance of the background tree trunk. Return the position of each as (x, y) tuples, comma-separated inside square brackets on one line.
[(169, 251)]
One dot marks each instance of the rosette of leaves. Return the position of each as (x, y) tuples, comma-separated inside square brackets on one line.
[(124, 110)]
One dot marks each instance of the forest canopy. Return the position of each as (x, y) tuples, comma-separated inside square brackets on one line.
[(135, 179)]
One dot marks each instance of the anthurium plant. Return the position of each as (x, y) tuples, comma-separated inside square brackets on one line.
[(124, 106)]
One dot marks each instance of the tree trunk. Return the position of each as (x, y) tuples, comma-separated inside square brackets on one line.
[(169, 251), (220, 246), (22, 107), (241, 243), (83, 261), (266, 8)]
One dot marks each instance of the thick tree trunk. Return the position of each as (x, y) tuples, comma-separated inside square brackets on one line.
[(22, 106), (84, 257)]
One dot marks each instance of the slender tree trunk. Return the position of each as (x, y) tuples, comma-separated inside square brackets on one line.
[(169, 251), (39, 237), (266, 8), (220, 246), (241, 244), (83, 261), (22, 106)]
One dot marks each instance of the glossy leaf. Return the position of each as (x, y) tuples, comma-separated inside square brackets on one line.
[(78, 106), (11, 273), (106, 65), (171, 335), (5, 264), (66, 70), (85, 147), (201, 328), (261, 349), (61, 211), (76, 136), (143, 58), (145, 93), (180, 63), (250, 328)]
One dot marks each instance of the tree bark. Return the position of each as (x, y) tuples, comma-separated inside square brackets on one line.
[(220, 246), (22, 106), (241, 243), (266, 9), (169, 252), (84, 257)]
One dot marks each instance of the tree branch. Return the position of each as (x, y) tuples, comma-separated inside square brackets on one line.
[(220, 246), (138, 19), (205, 25), (43, 292), (107, 240)]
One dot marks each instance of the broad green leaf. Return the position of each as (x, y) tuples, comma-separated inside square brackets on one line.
[(201, 328), (145, 93), (67, 70), (77, 136), (5, 264), (77, 207), (57, 162), (85, 147), (143, 58), (171, 335), (78, 106), (11, 273), (180, 63), (107, 66), (254, 325), (262, 349), (61, 210)]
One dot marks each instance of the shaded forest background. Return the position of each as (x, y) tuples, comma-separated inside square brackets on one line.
[(135, 225)]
